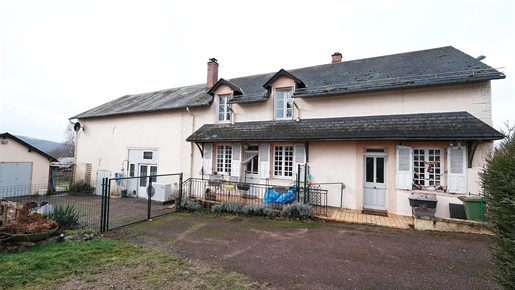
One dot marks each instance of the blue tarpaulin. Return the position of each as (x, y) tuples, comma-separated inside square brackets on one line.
[(273, 196)]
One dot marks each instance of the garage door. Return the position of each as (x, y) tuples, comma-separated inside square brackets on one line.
[(15, 179)]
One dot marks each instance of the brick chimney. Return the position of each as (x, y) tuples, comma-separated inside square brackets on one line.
[(337, 57), (212, 72)]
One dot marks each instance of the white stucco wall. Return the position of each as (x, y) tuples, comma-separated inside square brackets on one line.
[(473, 98), (333, 162)]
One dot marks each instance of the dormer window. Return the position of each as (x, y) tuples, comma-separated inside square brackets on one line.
[(283, 103), (224, 109)]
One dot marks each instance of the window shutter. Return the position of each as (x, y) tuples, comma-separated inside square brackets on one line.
[(207, 164), (300, 158), (236, 160), (404, 167), (456, 169), (264, 160)]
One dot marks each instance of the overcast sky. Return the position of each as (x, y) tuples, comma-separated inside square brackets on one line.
[(60, 58)]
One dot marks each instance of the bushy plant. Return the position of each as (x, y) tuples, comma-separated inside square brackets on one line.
[(498, 180), (81, 187), (297, 210), (191, 205), (227, 207), (67, 217), (257, 210)]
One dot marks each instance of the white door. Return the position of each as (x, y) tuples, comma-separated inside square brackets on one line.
[(132, 183), (144, 171), (251, 165), (101, 174), (374, 190), (15, 178)]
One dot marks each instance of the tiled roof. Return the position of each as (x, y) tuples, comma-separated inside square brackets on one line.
[(170, 99), (439, 66), (427, 126)]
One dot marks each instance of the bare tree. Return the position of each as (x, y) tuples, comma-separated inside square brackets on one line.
[(67, 148)]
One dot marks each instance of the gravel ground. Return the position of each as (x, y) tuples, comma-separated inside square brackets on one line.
[(322, 255)]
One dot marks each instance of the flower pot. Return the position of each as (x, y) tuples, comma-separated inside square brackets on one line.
[(243, 186)]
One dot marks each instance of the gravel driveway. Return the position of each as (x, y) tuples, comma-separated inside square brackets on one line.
[(294, 255)]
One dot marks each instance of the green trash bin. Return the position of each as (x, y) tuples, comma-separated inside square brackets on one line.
[(474, 207)]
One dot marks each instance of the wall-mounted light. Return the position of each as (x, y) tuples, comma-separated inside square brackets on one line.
[(5, 142)]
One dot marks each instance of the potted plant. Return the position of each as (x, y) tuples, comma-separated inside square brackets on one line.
[(243, 186), (210, 195)]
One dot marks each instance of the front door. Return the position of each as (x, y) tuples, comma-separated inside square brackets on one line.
[(144, 171), (374, 190), (251, 164)]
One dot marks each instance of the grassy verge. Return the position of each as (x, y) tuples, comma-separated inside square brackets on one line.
[(103, 263)]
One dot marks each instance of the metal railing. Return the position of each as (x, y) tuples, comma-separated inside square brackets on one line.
[(210, 192)]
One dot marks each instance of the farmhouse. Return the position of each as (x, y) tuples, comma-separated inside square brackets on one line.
[(384, 127)]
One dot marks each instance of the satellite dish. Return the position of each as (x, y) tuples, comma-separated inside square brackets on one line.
[(76, 127), (481, 57)]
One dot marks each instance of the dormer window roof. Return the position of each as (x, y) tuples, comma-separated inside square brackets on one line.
[(298, 83), (236, 90)]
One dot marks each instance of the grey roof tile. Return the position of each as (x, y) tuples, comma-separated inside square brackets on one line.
[(439, 66), (428, 126)]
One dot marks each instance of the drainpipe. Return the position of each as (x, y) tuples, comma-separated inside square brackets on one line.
[(191, 145)]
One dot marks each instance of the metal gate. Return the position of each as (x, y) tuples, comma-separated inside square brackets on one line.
[(130, 200), (309, 193)]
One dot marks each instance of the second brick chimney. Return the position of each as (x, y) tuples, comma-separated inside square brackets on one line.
[(337, 57), (212, 72)]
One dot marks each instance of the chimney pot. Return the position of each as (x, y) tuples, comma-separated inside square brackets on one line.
[(212, 72), (336, 57)]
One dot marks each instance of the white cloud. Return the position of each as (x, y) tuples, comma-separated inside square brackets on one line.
[(60, 58)]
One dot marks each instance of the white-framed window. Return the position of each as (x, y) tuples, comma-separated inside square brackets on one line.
[(224, 109), (423, 168), (427, 167), (223, 159), (283, 103), (283, 161)]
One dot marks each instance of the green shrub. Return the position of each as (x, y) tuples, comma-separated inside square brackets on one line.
[(81, 187), (498, 180), (230, 207), (257, 210), (297, 210), (67, 217), (191, 205)]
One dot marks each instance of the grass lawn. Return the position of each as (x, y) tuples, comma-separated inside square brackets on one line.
[(103, 263)]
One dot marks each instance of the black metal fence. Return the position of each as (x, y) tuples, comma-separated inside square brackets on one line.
[(87, 206), (129, 200)]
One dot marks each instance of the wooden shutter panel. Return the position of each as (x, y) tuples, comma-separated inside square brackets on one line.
[(300, 158), (236, 160), (457, 181), (264, 160), (207, 164), (404, 172)]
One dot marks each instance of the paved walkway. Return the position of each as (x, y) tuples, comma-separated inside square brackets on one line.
[(356, 217)]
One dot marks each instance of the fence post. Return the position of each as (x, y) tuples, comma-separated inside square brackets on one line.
[(149, 196), (104, 205), (180, 191)]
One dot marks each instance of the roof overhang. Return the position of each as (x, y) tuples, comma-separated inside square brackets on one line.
[(427, 126)]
